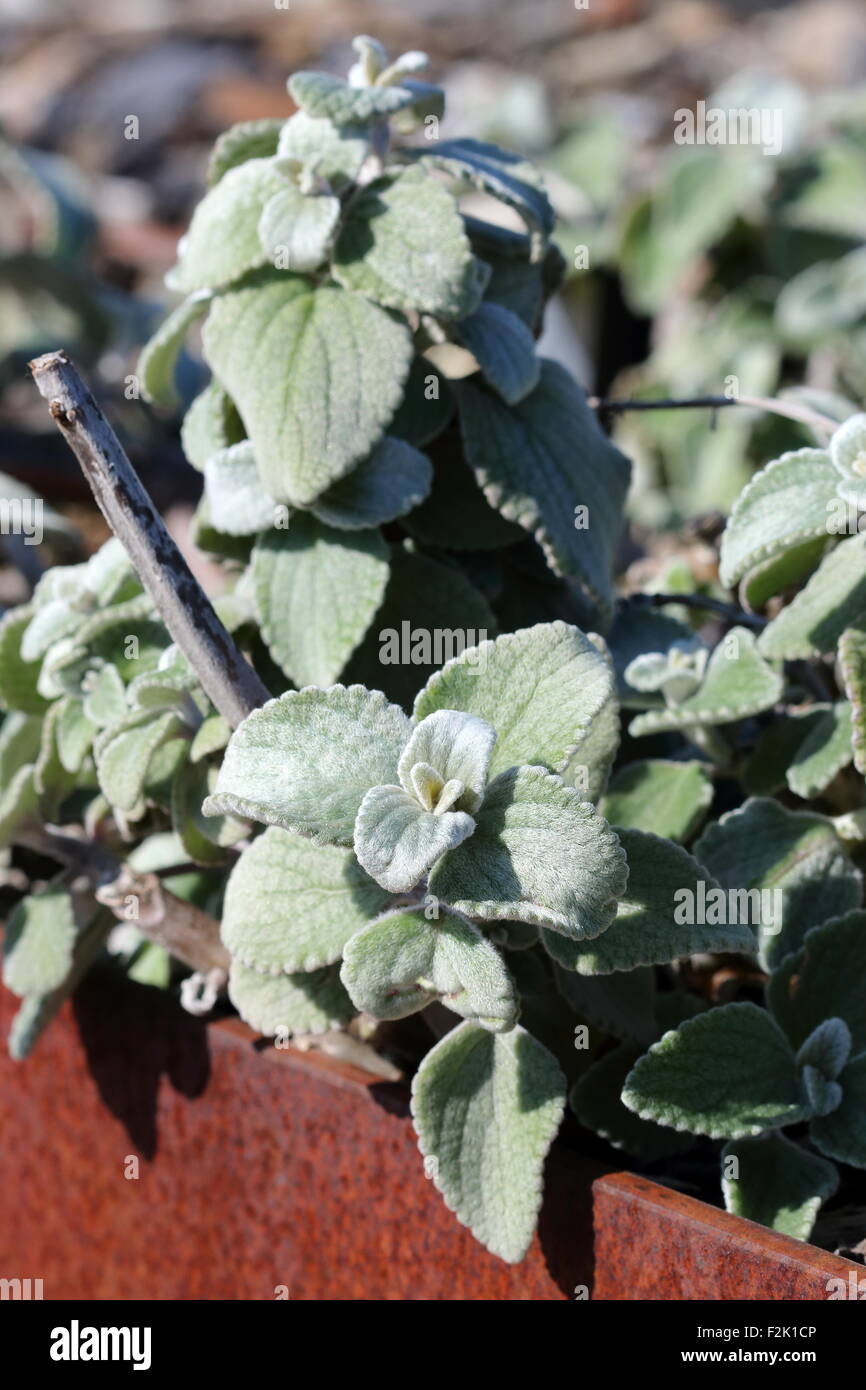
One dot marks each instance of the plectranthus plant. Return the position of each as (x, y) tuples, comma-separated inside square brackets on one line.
[(380, 441), (595, 875)]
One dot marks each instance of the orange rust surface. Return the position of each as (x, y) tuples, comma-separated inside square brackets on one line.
[(653, 1243), (257, 1169)]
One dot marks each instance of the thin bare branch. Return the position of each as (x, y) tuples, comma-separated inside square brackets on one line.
[(791, 410), (226, 678)]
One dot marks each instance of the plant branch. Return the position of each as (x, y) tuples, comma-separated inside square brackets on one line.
[(226, 678), (183, 929), (789, 409), (728, 611)]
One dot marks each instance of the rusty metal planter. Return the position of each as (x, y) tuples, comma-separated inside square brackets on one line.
[(260, 1168)]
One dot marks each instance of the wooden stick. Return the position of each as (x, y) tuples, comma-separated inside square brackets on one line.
[(226, 678)]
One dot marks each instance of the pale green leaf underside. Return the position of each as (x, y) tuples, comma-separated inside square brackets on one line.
[(158, 357), (734, 687), (306, 760), (728, 1073), (342, 365), (539, 688), (313, 1002), (401, 962), (317, 591), (816, 618), (223, 238), (538, 854), (292, 905), (780, 1185), (669, 798), (38, 942), (237, 503), (783, 505), (486, 1109), (852, 662)]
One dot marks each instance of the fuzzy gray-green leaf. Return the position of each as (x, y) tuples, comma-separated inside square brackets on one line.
[(728, 1073), (292, 905), (306, 760), (401, 962), (539, 688), (343, 362), (546, 465), (317, 591), (486, 1108), (538, 854), (403, 244)]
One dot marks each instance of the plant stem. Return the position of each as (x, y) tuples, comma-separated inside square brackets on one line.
[(226, 678), (190, 934), (789, 409), (728, 611)]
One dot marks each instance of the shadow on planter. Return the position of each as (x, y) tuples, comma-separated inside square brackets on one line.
[(132, 1036)]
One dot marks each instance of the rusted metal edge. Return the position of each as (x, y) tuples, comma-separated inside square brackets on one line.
[(657, 1244)]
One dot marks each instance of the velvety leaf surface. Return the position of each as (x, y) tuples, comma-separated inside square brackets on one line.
[(815, 619), (664, 881), (764, 846), (38, 941), (669, 798), (538, 461), (289, 1004), (486, 1108), (306, 760), (291, 905), (538, 854), (737, 683), (399, 963), (316, 592), (397, 841), (223, 241), (403, 244), (342, 360), (784, 505), (728, 1073), (539, 688)]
